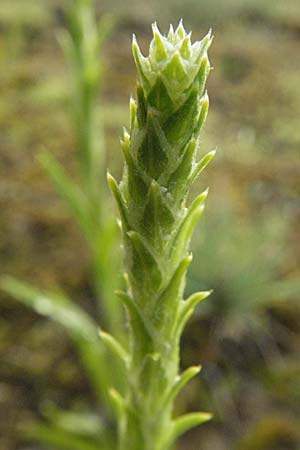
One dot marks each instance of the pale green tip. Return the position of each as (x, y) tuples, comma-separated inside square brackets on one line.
[(195, 369)]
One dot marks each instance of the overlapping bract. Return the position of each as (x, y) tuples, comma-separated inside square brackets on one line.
[(160, 152), (173, 62)]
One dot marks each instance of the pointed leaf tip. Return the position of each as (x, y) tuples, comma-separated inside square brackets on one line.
[(201, 165), (174, 71), (187, 308), (121, 204), (159, 52), (186, 422), (180, 381), (117, 401), (155, 29), (180, 31), (141, 63), (185, 48), (114, 346)]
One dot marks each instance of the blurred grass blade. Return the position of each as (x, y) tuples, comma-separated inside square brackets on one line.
[(67, 189), (57, 438), (84, 422), (82, 329), (105, 27)]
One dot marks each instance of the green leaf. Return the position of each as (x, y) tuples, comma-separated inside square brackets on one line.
[(200, 48), (82, 329), (144, 266), (142, 106), (55, 306), (118, 402), (141, 64), (165, 307), (181, 240), (175, 76), (135, 188), (105, 28), (54, 436), (186, 422), (157, 48), (141, 326), (203, 74), (200, 166), (186, 309), (177, 181), (133, 112), (203, 111), (185, 47), (68, 190), (159, 98), (176, 129), (115, 347), (86, 423), (157, 218), (154, 149), (119, 201), (180, 382)]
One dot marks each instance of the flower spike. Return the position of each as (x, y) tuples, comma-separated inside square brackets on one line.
[(160, 152)]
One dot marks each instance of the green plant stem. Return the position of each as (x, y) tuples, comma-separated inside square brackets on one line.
[(160, 166), (82, 46)]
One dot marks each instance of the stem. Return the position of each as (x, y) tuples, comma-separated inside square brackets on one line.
[(160, 166), (146, 424), (82, 48)]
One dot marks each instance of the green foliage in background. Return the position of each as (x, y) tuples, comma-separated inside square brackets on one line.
[(86, 200), (247, 286)]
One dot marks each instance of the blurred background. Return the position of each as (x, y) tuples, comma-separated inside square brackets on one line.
[(246, 248)]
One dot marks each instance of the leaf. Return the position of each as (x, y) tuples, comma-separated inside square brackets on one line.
[(119, 200), (142, 106), (133, 112), (67, 189), (186, 422), (140, 325), (118, 402), (135, 184), (165, 307), (183, 235), (53, 305), (203, 112), (144, 265), (105, 28), (201, 165), (201, 47), (175, 76), (82, 329), (157, 47), (186, 309), (159, 98), (180, 382), (157, 216), (177, 181), (54, 436), (115, 347), (180, 126), (84, 422), (154, 149), (141, 64), (203, 74)]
